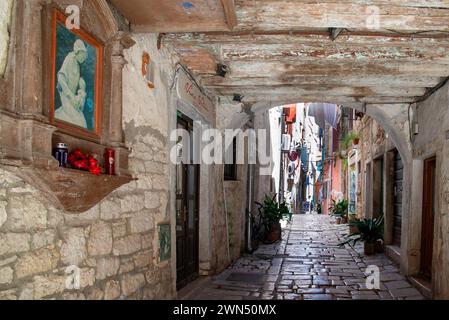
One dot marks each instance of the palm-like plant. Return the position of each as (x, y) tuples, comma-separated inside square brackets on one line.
[(272, 212), (339, 208), (369, 230)]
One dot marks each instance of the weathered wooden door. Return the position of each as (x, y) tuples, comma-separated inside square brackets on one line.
[(428, 217), (397, 198), (187, 211)]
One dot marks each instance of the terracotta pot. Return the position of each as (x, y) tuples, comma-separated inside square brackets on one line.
[(369, 248), (344, 220), (254, 244), (380, 247), (356, 141), (353, 229), (338, 220), (275, 232)]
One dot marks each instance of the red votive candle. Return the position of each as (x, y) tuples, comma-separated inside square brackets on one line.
[(109, 161)]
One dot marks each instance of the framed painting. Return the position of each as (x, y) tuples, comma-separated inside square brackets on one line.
[(77, 60)]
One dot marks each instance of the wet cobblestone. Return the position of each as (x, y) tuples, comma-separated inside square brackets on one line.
[(308, 264)]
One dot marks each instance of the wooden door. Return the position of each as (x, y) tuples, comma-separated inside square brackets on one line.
[(397, 198), (428, 217), (187, 212)]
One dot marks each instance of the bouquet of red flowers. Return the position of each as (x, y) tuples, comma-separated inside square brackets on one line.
[(78, 160)]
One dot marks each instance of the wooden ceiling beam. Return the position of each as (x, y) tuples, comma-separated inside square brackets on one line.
[(279, 99), (355, 80), (327, 90), (311, 38), (328, 68), (295, 15), (397, 3)]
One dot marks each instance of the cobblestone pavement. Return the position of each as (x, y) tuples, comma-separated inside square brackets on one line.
[(307, 265)]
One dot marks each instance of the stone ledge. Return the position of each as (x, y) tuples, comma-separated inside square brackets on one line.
[(71, 190)]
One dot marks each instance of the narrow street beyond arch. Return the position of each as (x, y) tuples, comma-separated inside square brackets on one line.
[(307, 264)]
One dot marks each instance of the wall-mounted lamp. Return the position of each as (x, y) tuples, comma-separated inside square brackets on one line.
[(222, 70), (237, 98)]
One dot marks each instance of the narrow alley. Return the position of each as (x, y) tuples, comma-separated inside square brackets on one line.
[(307, 265), (224, 149)]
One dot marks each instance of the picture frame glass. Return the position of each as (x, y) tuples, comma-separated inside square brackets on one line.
[(77, 62)]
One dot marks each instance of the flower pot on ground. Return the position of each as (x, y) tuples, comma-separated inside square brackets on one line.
[(379, 246), (272, 213), (254, 244), (344, 220), (339, 209), (274, 233), (352, 229), (370, 231), (369, 248), (356, 141)]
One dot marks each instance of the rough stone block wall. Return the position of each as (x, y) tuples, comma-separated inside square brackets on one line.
[(432, 140), (115, 244)]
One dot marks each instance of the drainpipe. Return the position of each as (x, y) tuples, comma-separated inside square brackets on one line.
[(250, 207), (281, 162), (227, 222)]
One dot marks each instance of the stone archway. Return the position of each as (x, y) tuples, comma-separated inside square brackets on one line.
[(394, 120)]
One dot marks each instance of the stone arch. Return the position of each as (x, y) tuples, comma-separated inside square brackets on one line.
[(393, 118)]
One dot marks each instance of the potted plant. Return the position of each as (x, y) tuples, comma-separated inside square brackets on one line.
[(353, 228), (351, 137), (272, 213), (370, 231), (356, 139), (339, 209)]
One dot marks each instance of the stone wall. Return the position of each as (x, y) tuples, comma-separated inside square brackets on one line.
[(432, 140), (374, 143), (115, 244)]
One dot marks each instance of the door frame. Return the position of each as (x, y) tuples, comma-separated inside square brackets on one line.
[(428, 199), (189, 278)]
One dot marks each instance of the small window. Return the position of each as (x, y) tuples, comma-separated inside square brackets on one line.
[(230, 169)]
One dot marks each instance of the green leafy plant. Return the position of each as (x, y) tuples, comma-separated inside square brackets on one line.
[(344, 163), (339, 208), (369, 230), (348, 139), (272, 211)]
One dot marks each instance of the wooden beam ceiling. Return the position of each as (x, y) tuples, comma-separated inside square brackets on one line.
[(282, 49), (401, 16)]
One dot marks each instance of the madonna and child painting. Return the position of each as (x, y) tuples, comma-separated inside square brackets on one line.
[(77, 60)]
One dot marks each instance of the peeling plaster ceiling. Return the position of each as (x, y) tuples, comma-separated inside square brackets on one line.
[(387, 51)]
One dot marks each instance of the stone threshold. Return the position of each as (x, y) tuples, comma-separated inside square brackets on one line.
[(422, 285), (394, 253)]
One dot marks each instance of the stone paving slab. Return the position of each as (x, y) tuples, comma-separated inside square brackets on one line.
[(308, 264)]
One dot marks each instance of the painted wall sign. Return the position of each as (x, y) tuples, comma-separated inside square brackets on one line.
[(188, 91)]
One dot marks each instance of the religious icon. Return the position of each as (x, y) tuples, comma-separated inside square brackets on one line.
[(76, 85)]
